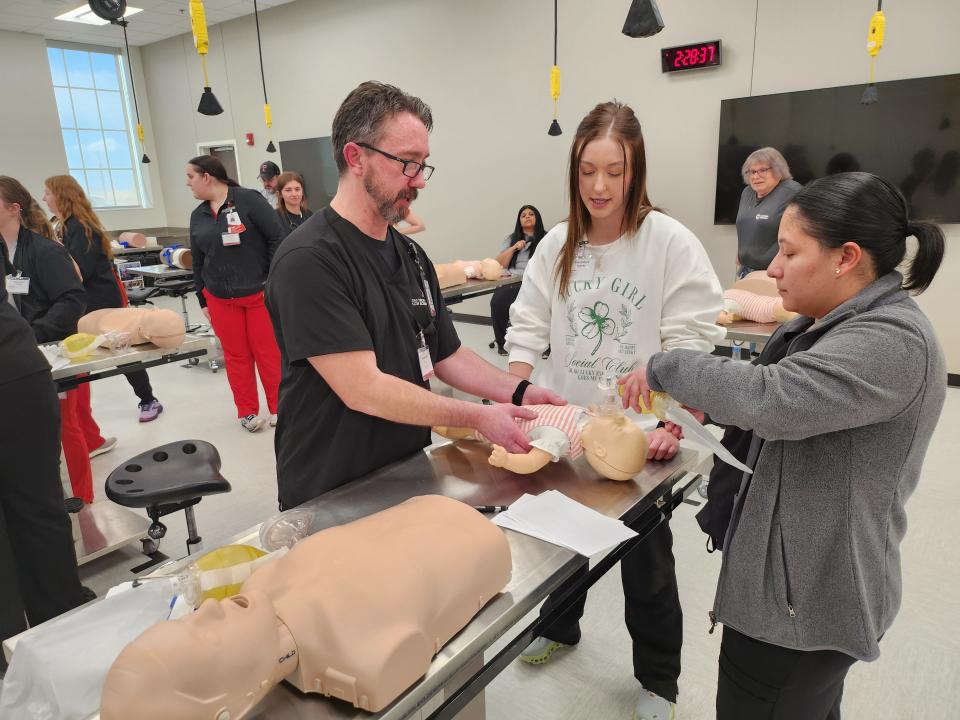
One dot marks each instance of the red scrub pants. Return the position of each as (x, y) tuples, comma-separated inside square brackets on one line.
[(246, 334), (79, 435)]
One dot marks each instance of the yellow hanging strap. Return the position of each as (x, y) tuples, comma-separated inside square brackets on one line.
[(198, 23), (878, 24), (140, 133), (267, 115), (555, 88)]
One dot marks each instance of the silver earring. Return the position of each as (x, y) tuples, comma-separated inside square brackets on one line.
[(837, 272)]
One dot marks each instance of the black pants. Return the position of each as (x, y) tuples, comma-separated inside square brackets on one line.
[(760, 681), (652, 612), (38, 565), (140, 382), (500, 303)]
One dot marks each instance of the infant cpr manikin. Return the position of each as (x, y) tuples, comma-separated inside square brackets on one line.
[(356, 612)]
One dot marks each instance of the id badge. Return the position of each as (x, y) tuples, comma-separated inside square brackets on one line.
[(230, 238), (583, 265), (18, 285), (423, 354), (234, 225)]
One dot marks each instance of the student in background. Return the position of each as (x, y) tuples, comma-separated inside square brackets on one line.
[(292, 208)]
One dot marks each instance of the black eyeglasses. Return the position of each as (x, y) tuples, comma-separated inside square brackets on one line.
[(410, 168)]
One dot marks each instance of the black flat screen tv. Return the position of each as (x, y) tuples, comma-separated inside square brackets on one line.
[(911, 137)]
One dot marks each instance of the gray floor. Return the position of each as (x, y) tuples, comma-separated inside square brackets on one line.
[(916, 676)]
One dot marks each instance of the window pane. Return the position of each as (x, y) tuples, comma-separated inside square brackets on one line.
[(78, 68), (105, 71), (124, 187), (58, 70), (111, 110), (81, 177), (72, 145), (98, 188), (118, 149), (85, 106), (64, 107), (91, 144)]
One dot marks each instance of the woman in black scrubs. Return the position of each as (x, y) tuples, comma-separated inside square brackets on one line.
[(292, 205), (38, 567)]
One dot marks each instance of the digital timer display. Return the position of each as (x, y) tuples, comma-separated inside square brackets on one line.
[(688, 57)]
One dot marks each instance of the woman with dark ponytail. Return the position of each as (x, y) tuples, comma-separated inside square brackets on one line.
[(233, 235), (842, 404)]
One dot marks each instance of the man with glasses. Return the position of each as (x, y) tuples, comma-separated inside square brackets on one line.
[(769, 189), (360, 320)]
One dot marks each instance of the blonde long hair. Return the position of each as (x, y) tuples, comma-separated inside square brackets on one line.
[(72, 202), (618, 121), (31, 216)]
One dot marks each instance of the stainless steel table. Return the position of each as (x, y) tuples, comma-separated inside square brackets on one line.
[(475, 288), (751, 332), (161, 272), (461, 471), (103, 363)]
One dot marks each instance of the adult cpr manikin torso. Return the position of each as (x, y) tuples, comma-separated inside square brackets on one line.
[(356, 612)]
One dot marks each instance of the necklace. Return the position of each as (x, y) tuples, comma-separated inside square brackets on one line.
[(597, 252)]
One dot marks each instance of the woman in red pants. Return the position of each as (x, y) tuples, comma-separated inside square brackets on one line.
[(233, 235)]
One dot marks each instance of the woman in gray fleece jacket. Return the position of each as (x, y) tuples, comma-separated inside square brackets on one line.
[(810, 580)]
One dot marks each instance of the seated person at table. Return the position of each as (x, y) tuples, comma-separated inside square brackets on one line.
[(518, 247)]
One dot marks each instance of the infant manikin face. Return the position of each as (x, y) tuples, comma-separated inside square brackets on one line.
[(221, 664), (614, 446)]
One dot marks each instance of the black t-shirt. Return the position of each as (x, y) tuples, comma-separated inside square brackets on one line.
[(330, 291), (99, 280), (291, 221)]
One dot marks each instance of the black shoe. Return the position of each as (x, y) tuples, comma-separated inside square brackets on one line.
[(73, 504), (502, 352), (545, 354)]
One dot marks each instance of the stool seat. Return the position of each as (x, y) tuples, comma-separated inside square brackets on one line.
[(140, 296), (172, 473)]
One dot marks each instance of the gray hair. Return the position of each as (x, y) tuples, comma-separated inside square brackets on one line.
[(770, 156), (363, 112)]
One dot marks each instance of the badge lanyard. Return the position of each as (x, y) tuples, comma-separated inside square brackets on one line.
[(423, 351), (234, 225)]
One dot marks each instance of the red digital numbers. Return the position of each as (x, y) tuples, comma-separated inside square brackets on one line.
[(691, 57)]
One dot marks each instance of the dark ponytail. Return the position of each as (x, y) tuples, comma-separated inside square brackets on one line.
[(866, 209), (214, 168), (930, 246)]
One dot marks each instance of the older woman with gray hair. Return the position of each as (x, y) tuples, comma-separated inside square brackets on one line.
[(769, 189)]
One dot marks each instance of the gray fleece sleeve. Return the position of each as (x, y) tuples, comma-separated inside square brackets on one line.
[(864, 371)]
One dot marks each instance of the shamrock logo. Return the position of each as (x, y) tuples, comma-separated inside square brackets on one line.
[(597, 323)]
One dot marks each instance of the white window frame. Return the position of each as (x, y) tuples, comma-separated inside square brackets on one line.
[(140, 181)]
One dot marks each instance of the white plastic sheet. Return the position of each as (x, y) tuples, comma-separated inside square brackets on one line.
[(58, 671)]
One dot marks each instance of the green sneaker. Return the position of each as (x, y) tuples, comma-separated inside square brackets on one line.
[(651, 706), (540, 651)]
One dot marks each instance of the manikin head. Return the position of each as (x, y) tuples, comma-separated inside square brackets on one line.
[(380, 140), (222, 664), (614, 446)]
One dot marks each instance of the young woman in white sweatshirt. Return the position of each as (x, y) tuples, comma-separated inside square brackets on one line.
[(616, 283)]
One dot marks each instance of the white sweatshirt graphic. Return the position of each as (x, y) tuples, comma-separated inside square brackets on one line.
[(646, 292)]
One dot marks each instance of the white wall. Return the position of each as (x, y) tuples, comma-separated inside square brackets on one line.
[(484, 68), (31, 146)]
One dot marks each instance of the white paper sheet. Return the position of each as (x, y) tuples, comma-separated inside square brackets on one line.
[(554, 517)]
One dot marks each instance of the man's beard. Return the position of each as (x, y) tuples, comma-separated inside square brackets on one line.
[(387, 206)]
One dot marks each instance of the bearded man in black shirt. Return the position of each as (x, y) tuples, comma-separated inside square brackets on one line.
[(360, 320)]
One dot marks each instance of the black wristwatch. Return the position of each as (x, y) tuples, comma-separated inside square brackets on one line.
[(518, 393)]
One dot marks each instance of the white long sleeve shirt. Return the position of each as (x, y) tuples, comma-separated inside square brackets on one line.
[(645, 292)]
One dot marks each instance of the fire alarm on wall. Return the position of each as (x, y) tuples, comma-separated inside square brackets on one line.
[(249, 137)]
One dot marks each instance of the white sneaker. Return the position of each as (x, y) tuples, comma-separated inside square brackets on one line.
[(108, 444), (273, 420), (252, 423), (540, 651), (651, 706)]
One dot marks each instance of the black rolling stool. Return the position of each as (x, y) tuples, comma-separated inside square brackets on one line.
[(171, 477), (140, 296)]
